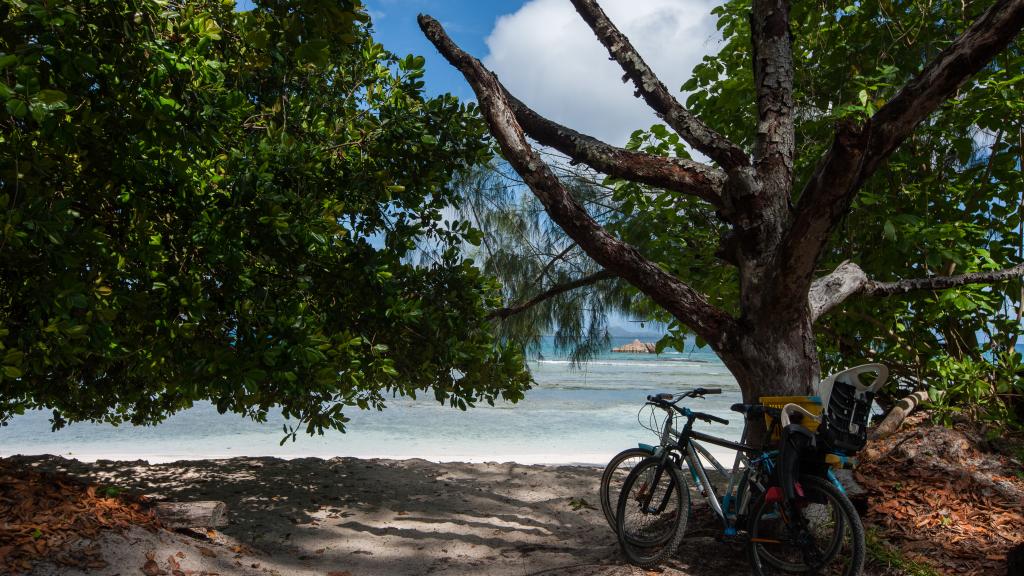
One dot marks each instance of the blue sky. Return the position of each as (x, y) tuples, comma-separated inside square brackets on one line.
[(469, 22)]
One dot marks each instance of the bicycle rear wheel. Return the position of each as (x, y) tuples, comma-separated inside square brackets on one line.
[(614, 477), (652, 512), (820, 533)]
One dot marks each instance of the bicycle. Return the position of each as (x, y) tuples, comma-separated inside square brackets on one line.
[(805, 533), (620, 465)]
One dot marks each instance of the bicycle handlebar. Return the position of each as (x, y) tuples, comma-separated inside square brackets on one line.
[(695, 393), (710, 418), (665, 400)]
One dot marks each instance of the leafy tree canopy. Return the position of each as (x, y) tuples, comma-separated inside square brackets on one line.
[(202, 204)]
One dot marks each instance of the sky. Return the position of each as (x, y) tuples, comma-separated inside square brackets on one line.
[(545, 55)]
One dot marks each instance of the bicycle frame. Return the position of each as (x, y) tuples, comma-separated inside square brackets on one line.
[(690, 451)]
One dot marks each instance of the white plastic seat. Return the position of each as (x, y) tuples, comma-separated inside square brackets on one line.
[(852, 376)]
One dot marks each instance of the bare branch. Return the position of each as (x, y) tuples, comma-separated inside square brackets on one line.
[(873, 288), (848, 280), (594, 278), (830, 291), (554, 259), (689, 306), (653, 91), (676, 174), (858, 151), (773, 79)]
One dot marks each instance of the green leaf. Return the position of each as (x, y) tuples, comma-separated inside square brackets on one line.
[(51, 96), (889, 230), (17, 108)]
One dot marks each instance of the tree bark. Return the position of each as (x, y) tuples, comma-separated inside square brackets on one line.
[(774, 360)]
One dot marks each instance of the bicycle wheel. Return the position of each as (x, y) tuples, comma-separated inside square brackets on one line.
[(819, 534), (652, 512), (614, 476)]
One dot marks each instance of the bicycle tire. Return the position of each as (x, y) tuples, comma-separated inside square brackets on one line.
[(774, 540), (649, 535), (614, 477)]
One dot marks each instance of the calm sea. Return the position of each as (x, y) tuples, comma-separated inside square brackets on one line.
[(581, 414)]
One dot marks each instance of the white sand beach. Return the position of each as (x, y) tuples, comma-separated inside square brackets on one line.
[(354, 517)]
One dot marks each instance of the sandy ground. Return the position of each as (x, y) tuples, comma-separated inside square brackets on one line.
[(351, 517)]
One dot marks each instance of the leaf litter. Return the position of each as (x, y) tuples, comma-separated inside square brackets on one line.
[(53, 516), (942, 500)]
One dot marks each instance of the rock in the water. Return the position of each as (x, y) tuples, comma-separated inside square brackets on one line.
[(636, 347)]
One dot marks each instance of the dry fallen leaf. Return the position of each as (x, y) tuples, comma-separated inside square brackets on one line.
[(151, 569), (207, 552)]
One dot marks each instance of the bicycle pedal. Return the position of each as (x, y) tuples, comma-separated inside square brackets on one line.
[(731, 536)]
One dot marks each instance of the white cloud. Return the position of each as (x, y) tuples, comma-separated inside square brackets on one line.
[(550, 59)]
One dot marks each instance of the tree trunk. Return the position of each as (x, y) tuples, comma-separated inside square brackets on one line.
[(772, 360)]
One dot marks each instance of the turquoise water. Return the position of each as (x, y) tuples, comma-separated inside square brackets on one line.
[(582, 414)]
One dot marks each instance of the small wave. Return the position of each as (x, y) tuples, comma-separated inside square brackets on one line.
[(665, 363)]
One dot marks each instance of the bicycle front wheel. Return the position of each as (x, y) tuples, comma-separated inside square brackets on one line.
[(614, 477), (652, 512), (820, 533)]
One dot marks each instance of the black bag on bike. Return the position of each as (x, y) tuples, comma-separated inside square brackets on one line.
[(797, 453)]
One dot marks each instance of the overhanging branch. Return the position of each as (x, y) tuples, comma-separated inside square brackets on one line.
[(849, 280), (679, 299), (594, 278), (653, 91)]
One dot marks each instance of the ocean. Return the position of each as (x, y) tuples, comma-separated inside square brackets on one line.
[(573, 415)]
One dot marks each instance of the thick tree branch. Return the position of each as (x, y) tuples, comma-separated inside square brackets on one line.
[(676, 174), (653, 91), (689, 306), (848, 280), (594, 278), (773, 80), (858, 151)]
